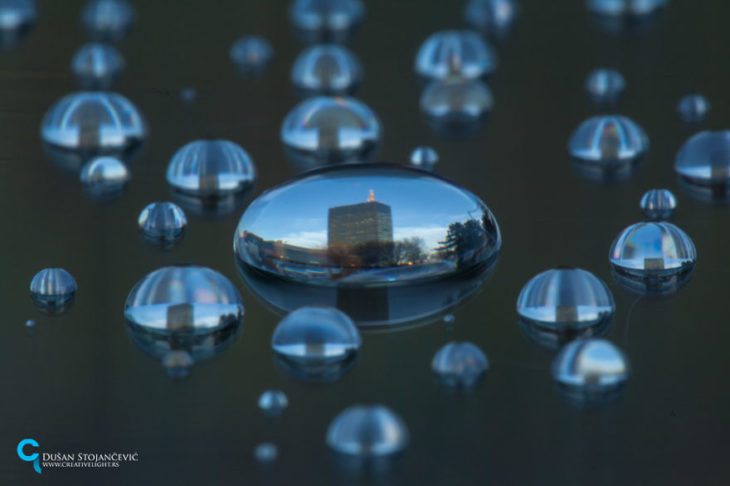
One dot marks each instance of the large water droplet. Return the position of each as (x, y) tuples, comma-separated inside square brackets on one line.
[(326, 70), (205, 168), (326, 20), (108, 19), (493, 17), (625, 7), (251, 53), (53, 289), (97, 66), (424, 158), (693, 108), (459, 364), (605, 85), (273, 402), (658, 204), (316, 334), (162, 222), (325, 130), (104, 177), (455, 105), (608, 140), (367, 431), (455, 52), (266, 452), (93, 123), (367, 225)]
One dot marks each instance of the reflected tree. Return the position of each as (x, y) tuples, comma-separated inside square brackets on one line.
[(464, 241)]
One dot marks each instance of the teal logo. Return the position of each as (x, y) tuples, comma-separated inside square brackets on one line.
[(34, 457)]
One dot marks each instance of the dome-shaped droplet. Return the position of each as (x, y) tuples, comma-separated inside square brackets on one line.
[(608, 140), (17, 15), (367, 431), (97, 66), (108, 19), (456, 105), (455, 52), (325, 130), (162, 222), (625, 7), (658, 203), (652, 249), (251, 53), (424, 158), (93, 122), (53, 289), (491, 16), (326, 70), (367, 225), (211, 168), (693, 108), (178, 363), (605, 85), (459, 363), (104, 176), (273, 402), (565, 299), (266, 452), (704, 159), (326, 20), (184, 300), (322, 334)]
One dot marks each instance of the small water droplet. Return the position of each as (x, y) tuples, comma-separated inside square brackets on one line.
[(493, 17), (177, 363), (658, 203), (251, 54), (104, 176), (456, 106), (273, 402), (367, 431), (53, 289), (455, 52), (30, 323), (326, 70), (424, 158), (326, 20), (162, 222), (266, 452), (459, 364), (608, 140), (188, 95), (97, 66), (605, 85), (449, 318), (108, 19), (693, 108)]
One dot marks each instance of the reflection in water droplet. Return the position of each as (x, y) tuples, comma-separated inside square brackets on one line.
[(367, 225), (178, 364), (104, 176), (491, 16), (162, 222), (608, 140), (273, 402), (625, 7), (455, 105), (16, 18), (451, 53), (266, 452), (590, 371), (605, 85), (211, 168), (326, 70), (459, 364), (94, 123), (367, 431), (658, 203), (97, 66), (325, 130), (53, 290), (326, 20), (251, 53), (30, 323), (693, 108), (424, 158), (108, 19)]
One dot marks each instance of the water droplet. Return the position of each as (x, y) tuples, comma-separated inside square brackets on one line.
[(367, 225), (449, 318), (326, 20), (367, 431), (97, 66), (108, 19), (326, 130), (266, 452), (206, 168), (605, 85), (654, 254), (491, 16), (273, 402), (658, 203), (424, 158), (693, 108), (104, 176), (455, 52), (251, 53), (459, 364), (94, 123), (177, 363), (53, 289), (184, 300), (625, 7), (703, 163), (590, 371), (608, 140), (188, 95), (456, 106), (162, 222), (30, 323), (326, 70), (17, 15)]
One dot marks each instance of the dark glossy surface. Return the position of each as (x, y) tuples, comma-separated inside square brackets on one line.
[(79, 382)]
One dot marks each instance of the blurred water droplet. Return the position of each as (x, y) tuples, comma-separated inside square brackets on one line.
[(266, 452), (693, 108), (108, 19), (605, 85), (625, 7), (188, 95), (494, 17), (658, 203), (177, 363), (16, 18), (455, 52), (53, 289), (326, 20), (456, 106), (104, 177), (449, 318), (608, 140), (30, 323), (326, 70), (162, 222), (97, 66), (424, 158), (273, 402), (251, 54), (459, 364), (367, 431)]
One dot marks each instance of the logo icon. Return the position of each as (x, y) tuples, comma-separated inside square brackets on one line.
[(34, 457)]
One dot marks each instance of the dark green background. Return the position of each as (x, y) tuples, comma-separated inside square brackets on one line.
[(77, 382)]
